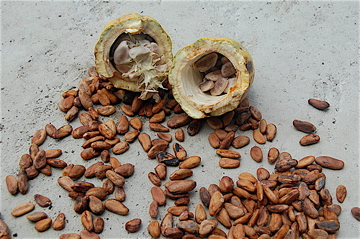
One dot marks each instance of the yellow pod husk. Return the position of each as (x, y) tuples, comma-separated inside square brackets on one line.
[(146, 71)]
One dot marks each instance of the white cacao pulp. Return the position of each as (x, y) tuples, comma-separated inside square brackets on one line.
[(140, 60)]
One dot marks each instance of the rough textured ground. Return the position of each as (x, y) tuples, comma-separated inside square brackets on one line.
[(301, 50)]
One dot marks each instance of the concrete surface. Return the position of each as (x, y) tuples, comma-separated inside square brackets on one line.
[(301, 50)]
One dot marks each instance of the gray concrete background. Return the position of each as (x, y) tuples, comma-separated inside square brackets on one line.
[(301, 50)]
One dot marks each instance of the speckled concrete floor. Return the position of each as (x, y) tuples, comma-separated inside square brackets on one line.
[(300, 49)]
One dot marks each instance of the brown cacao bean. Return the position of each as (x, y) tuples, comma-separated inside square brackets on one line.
[(158, 195), (226, 153), (39, 137), (259, 137), (153, 209), (158, 117), (216, 203), (191, 162), (179, 151), (341, 193), (106, 110), (229, 163), (11, 184), (156, 149), (154, 229), (179, 135), (318, 104), (145, 141), (271, 131), (179, 120), (256, 153), (23, 182), (43, 224), (194, 127), (98, 223), (59, 222), (116, 206), (329, 162), (215, 122), (309, 139), (226, 142), (165, 136), (177, 210), (157, 127), (240, 141), (304, 126), (180, 174), (355, 211), (133, 225), (69, 236), (120, 147), (42, 201), (36, 216), (22, 209), (123, 125), (214, 140), (180, 186)]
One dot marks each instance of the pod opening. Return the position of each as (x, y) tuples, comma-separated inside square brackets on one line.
[(205, 83), (221, 58), (217, 72)]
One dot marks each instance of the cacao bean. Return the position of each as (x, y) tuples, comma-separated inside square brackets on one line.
[(318, 104)]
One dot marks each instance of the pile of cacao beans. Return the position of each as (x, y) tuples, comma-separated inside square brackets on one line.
[(288, 203)]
